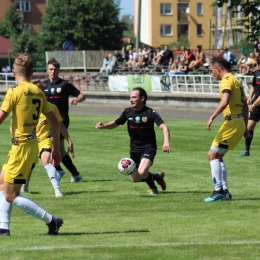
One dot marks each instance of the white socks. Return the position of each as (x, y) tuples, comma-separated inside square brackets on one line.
[(216, 173), (224, 175), (32, 208), (52, 173), (5, 211)]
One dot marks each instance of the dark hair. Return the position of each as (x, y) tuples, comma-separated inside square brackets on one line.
[(53, 62), (142, 93), (221, 62)]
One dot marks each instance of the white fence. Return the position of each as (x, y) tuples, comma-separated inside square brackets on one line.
[(192, 84)]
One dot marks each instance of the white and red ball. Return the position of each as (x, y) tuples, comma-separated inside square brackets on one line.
[(126, 166)]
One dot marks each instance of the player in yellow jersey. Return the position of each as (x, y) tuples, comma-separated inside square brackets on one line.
[(233, 105), (43, 132), (26, 102)]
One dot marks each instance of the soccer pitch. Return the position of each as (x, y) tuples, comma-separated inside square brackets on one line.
[(106, 216)]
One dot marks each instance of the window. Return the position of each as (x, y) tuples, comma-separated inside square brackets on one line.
[(24, 6), (199, 29), (199, 8), (183, 30), (166, 9), (166, 30), (183, 12)]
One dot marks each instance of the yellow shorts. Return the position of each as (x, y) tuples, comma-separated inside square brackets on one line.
[(44, 144), (19, 162), (229, 134)]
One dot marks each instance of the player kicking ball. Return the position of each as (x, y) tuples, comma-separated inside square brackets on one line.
[(140, 120)]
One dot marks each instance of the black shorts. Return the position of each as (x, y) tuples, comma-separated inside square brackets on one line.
[(138, 156), (255, 115)]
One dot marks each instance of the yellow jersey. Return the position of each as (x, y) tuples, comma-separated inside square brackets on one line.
[(43, 128), (235, 107), (26, 102)]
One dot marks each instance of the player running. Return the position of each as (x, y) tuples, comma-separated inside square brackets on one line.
[(140, 120)]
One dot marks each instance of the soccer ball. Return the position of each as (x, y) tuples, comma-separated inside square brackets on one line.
[(126, 166)]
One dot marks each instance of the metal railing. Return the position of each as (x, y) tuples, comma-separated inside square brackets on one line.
[(191, 83)]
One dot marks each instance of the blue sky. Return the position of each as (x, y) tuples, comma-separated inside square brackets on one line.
[(127, 7)]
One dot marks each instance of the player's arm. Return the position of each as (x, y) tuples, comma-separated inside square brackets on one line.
[(65, 133), (55, 126), (78, 99), (166, 134), (221, 106), (109, 125), (251, 94), (3, 116)]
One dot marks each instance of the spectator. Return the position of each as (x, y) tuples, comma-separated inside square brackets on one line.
[(105, 63), (143, 57), (256, 64), (6, 69), (200, 59), (166, 57), (257, 46), (189, 56), (248, 64), (182, 53), (157, 56), (242, 63), (113, 64), (129, 46), (229, 57)]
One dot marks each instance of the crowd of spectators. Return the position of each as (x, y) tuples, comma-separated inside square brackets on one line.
[(186, 60)]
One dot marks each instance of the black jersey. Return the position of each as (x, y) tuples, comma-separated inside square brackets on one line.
[(256, 85), (140, 127), (58, 93)]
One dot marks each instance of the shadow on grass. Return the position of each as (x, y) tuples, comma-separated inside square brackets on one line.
[(80, 192), (174, 192), (104, 233)]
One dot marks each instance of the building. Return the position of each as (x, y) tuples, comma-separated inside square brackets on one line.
[(163, 22), (30, 11)]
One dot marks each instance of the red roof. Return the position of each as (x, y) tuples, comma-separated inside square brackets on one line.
[(5, 45)]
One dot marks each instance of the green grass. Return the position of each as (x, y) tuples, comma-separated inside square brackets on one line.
[(108, 217)]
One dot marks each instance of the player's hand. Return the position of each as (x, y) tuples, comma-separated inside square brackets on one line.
[(74, 101), (166, 148), (71, 150), (251, 108), (209, 124), (99, 125), (55, 157)]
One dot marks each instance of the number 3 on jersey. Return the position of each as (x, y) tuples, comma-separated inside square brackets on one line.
[(37, 103)]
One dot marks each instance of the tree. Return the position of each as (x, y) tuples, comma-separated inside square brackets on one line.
[(88, 24), (128, 20), (12, 23), (180, 42), (251, 12), (25, 42)]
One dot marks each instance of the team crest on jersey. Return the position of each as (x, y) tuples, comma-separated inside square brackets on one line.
[(52, 90), (144, 119), (58, 90), (137, 119)]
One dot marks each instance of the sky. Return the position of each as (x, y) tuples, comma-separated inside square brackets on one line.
[(127, 7)]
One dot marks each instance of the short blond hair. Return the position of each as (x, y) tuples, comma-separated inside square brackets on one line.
[(39, 83), (23, 65)]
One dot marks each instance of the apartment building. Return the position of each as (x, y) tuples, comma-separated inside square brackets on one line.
[(30, 11), (164, 21)]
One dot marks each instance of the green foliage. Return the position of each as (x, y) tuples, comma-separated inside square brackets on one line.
[(11, 24), (251, 12), (25, 42), (88, 24), (242, 44), (180, 42), (128, 20)]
